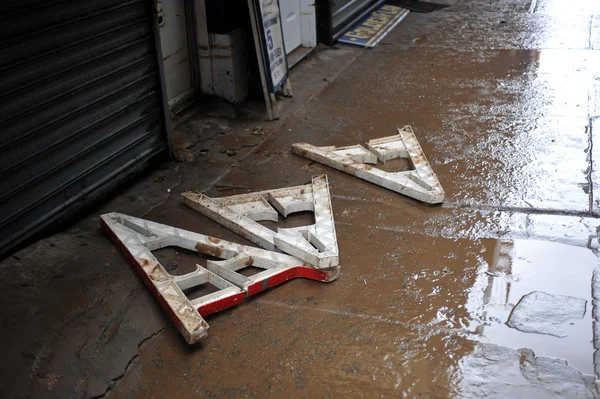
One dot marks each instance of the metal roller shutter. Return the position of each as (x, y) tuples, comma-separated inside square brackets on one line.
[(338, 16), (80, 103)]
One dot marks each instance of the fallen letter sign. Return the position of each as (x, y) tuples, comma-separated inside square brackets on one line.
[(269, 22)]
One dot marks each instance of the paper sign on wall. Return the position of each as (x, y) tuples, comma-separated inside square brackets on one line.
[(272, 40), (270, 51)]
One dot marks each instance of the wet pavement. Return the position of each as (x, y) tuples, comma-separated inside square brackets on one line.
[(504, 97)]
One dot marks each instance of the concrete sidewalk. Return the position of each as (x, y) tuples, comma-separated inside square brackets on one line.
[(504, 99)]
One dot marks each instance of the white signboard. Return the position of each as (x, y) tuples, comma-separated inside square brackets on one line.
[(269, 24)]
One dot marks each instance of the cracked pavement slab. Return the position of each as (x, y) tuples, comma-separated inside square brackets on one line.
[(521, 374), (542, 313)]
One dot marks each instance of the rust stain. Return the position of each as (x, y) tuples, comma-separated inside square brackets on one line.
[(214, 240), (249, 262), (208, 250), (143, 262), (157, 274)]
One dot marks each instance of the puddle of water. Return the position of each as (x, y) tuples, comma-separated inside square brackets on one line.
[(523, 266)]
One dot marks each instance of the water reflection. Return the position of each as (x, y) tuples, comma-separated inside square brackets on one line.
[(561, 7), (523, 266)]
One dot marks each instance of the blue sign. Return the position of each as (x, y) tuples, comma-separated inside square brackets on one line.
[(373, 28), (273, 49)]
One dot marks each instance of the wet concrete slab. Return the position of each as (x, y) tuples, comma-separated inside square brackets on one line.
[(372, 331), (523, 82), (473, 224), (354, 354), (506, 6), (560, 7), (456, 146), (452, 118), (521, 132), (405, 317), (59, 339), (494, 30), (505, 113), (585, 7), (520, 373), (521, 283)]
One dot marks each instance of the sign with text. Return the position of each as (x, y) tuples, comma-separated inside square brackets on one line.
[(269, 25)]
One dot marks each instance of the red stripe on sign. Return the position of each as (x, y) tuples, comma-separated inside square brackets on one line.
[(139, 269), (220, 304), (286, 275)]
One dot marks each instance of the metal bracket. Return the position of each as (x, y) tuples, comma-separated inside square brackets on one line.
[(420, 183), (138, 238), (315, 244)]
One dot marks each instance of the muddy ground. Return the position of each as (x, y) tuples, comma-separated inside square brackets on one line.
[(493, 294)]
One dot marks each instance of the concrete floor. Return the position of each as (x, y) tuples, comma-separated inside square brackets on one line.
[(504, 96)]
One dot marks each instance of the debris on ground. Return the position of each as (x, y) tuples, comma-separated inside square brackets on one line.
[(421, 183), (258, 131), (315, 244), (189, 139), (138, 238), (230, 152)]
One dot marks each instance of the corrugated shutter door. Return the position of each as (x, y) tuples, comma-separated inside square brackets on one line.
[(344, 10), (80, 103), (336, 17)]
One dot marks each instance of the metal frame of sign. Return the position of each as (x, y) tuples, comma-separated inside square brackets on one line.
[(269, 87)]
